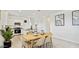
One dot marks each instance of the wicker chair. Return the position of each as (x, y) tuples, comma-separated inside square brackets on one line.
[(48, 42), (39, 43)]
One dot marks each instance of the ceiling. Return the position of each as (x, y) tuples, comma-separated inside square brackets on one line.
[(26, 13)]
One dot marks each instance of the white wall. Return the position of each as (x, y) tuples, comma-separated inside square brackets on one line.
[(4, 18), (41, 21), (67, 32), (12, 19), (0, 19)]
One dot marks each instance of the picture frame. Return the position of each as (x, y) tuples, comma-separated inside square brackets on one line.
[(59, 20), (75, 18)]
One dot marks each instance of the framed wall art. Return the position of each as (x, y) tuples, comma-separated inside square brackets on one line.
[(59, 20), (75, 18)]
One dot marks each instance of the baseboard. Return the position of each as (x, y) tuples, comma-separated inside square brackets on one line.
[(61, 38)]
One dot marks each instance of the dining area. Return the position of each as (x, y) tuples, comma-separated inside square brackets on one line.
[(31, 40)]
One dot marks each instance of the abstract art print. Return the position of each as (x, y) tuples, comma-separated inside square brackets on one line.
[(75, 18), (59, 20)]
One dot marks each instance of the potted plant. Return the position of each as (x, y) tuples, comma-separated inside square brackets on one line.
[(7, 34)]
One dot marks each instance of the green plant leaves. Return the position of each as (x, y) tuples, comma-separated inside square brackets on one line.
[(7, 33)]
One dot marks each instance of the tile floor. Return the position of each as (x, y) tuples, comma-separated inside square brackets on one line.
[(58, 43)]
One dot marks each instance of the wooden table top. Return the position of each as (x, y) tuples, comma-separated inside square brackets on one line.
[(31, 36)]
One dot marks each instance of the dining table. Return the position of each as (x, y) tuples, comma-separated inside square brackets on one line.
[(31, 37)]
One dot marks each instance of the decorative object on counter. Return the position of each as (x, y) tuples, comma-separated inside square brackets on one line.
[(31, 27), (75, 18), (7, 34), (35, 28), (25, 21), (17, 23), (59, 20), (42, 32), (17, 30)]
